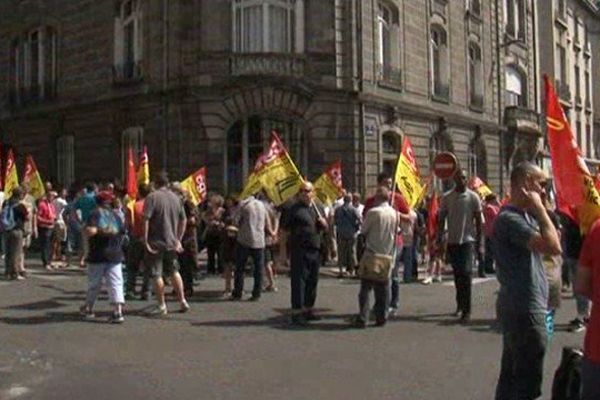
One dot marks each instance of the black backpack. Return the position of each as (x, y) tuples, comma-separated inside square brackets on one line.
[(567, 378)]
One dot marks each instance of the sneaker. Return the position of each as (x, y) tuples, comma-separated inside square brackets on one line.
[(86, 312), (271, 288), (577, 325), (427, 281), (357, 322), (116, 318), (439, 279), (184, 307), (19, 277), (254, 298), (380, 322), (392, 311), (465, 318), (159, 310)]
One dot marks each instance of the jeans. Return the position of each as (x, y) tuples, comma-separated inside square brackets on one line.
[(381, 299), (486, 266), (45, 235), (583, 304), (461, 259), (407, 259), (590, 378), (135, 257), (241, 256), (346, 253), (304, 274), (394, 284), (113, 274), (522, 367)]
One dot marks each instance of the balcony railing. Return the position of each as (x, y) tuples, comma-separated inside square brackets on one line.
[(389, 75), (127, 72), (272, 64), (522, 119)]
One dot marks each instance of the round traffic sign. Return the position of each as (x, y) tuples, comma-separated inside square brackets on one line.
[(445, 165)]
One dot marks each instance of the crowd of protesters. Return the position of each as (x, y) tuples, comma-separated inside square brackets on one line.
[(158, 236)]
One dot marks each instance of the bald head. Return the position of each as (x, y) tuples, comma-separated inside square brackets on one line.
[(522, 171)]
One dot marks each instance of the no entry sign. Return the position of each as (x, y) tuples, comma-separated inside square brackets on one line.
[(444, 165)]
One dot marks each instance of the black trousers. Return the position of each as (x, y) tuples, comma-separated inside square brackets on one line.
[(45, 236), (304, 273), (461, 259), (135, 257), (187, 269)]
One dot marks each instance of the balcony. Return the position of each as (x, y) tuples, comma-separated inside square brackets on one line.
[(578, 101), (389, 76), (269, 64), (476, 102), (441, 92), (126, 73), (522, 120)]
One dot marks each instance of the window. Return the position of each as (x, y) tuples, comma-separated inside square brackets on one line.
[(32, 68), (515, 21), (248, 138), (268, 26), (390, 149), (474, 7), (388, 44), (560, 8), (131, 138), (588, 99), (577, 84), (438, 53), (515, 88), (65, 160), (477, 159), (128, 41), (475, 76), (589, 140)]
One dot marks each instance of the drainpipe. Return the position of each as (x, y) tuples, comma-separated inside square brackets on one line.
[(361, 124), (165, 86), (499, 88)]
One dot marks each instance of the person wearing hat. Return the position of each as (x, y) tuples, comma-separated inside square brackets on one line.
[(46, 218), (105, 231)]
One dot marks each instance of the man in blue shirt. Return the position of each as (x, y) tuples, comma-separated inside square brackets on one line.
[(523, 233)]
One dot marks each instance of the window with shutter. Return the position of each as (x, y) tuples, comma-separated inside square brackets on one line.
[(65, 160), (131, 138), (128, 42)]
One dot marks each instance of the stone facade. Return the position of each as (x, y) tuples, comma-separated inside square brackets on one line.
[(569, 52), (356, 78)]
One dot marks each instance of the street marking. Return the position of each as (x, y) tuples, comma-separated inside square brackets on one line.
[(16, 391)]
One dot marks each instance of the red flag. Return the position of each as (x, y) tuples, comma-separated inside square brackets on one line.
[(573, 181), (131, 176), (432, 217)]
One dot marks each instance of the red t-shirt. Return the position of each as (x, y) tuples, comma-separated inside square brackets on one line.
[(400, 204), (590, 258), (135, 219)]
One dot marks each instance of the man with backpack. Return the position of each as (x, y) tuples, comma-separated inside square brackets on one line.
[(347, 223), (588, 284), (12, 220)]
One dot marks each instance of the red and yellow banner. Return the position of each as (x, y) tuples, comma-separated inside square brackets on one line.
[(573, 181), (407, 175), (328, 187), (33, 179), (131, 176), (143, 173), (11, 179), (195, 185), (478, 185)]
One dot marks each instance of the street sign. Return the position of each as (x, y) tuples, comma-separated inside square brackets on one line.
[(445, 165)]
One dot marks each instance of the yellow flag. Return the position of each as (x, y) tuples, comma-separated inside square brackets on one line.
[(33, 179), (479, 186), (11, 179), (275, 173), (143, 173), (407, 175), (195, 185), (328, 188)]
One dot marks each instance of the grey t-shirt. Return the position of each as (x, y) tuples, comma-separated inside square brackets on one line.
[(164, 211), (251, 220), (459, 210), (523, 283)]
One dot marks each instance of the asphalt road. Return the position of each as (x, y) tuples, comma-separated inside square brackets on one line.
[(245, 350)]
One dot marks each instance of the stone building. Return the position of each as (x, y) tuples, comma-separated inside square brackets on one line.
[(569, 53), (203, 82)]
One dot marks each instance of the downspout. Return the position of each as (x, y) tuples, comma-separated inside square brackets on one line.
[(499, 95), (361, 133), (165, 85)]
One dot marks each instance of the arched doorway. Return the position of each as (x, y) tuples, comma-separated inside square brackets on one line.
[(247, 138)]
